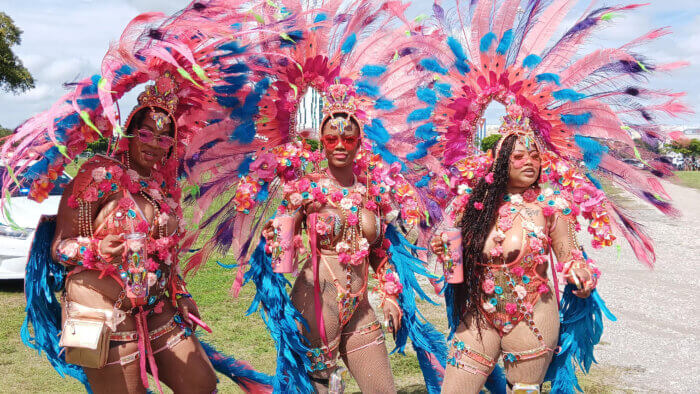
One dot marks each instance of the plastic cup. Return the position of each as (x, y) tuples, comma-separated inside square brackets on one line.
[(136, 278), (452, 263), (284, 255)]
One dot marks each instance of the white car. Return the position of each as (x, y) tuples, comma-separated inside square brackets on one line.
[(15, 242)]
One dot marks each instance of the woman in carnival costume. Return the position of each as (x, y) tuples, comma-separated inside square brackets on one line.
[(351, 208), (563, 107), (125, 310)]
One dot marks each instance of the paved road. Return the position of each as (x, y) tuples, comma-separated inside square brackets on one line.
[(656, 341)]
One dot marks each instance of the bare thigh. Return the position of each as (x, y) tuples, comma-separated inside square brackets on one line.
[(185, 367), (487, 341), (521, 339), (364, 352)]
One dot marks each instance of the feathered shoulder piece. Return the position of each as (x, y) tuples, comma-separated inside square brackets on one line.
[(575, 103), (186, 56)]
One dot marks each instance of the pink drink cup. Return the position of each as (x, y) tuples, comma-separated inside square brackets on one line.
[(454, 274), (283, 260)]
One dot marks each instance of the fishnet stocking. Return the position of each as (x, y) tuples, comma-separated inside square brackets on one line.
[(490, 343)]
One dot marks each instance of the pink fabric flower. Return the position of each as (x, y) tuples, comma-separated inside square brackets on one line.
[(98, 174), (336, 196), (296, 199), (478, 206), (73, 202), (318, 195), (520, 291), (322, 227), (142, 227), (535, 244), (90, 194), (511, 308), (547, 211), (343, 257), (530, 195), (371, 205), (264, 166), (303, 184), (392, 286), (496, 251), (505, 223), (105, 186), (352, 219), (542, 288), (519, 271), (489, 178), (488, 307), (488, 286)]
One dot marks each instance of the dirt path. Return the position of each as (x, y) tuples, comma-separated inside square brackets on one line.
[(656, 341)]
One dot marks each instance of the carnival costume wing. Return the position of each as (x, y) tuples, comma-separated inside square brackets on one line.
[(577, 105), (189, 56), (359, 56)]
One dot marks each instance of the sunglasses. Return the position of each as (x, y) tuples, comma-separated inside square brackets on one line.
[(148, 137), (331, 141)]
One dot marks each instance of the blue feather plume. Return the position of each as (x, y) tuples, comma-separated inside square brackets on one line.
[(456, 48), (419, 114), (426, 131), (426, 95), (568, 94), (432, 64), (373, 70), (281, 317), (548, 77), (43, 278), (384, 104), (242, 374), (531, 61), (592, 151), (576, 119), (349, 44), (367, 88), (580, 330), (505, 42), (486, 41), (428, 342)]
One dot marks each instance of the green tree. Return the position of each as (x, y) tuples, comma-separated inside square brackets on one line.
[(13, 76), (488, 142)]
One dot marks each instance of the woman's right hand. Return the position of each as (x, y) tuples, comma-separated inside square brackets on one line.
[(436, 244), (269, 230), (112, 247)]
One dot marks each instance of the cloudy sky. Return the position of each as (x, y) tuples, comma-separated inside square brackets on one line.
[(64, 41)]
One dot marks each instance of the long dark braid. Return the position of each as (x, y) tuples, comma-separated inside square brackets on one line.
[(476, 225)]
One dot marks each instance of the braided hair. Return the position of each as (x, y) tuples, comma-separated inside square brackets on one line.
[(476, 225)]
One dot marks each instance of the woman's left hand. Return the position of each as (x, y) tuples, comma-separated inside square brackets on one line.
[(392, 314), (584, 278), (185, 306)]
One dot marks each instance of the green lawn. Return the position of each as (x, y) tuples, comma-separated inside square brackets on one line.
[(689, 178)]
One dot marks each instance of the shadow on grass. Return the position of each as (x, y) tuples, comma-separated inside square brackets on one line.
[(12, 286), (413, 389)]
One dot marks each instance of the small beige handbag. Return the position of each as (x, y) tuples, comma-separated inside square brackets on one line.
[(86, 332)]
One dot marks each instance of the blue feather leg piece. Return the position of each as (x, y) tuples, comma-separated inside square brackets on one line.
[(428, 342), (42, 280), (240, 372), (581, 329), (281, 317)]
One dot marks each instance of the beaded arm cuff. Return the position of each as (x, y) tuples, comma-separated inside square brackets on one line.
[(389, 286), (81, 251)]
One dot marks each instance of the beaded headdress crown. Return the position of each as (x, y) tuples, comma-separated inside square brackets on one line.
[(520, 127), (340, 98), (163, 95)]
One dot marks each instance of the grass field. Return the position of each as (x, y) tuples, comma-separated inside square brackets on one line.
[(689, 178)]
